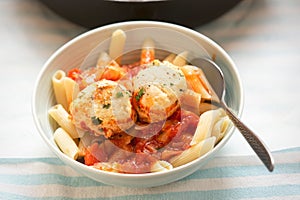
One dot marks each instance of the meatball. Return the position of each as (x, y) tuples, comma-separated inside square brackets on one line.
[(157, 91), (103, 108)]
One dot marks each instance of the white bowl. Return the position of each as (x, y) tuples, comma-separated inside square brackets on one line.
[(166, 36)]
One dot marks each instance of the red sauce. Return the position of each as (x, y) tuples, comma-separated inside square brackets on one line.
[(137, 150), (137, 154)]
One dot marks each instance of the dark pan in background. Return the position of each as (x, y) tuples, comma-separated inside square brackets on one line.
[(94, 13)]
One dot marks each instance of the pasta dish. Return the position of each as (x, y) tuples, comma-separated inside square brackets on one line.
[(148, 116)]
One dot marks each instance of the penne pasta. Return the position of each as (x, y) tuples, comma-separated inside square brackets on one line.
[(207, 86), (66, 143), (103, 60), (71, 89), (117, 44), (148, 53), (160, 166), (194, 80), (59, 88), (81, 148), (106, 166), (194, 152), (206, 106), (191, 101), (205, 125), (170, 58), (63, 118), (181, 59), (220, 128)]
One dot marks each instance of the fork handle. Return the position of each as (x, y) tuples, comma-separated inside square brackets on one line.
[(253, 140)]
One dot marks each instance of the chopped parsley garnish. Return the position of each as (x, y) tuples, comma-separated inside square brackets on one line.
[(96, 120), (106, 106), (140, 94), (119, 94), (128, 93)]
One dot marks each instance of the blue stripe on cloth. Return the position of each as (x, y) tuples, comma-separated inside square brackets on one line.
[(229, 173), (242, 171), (52, 161), (56, 161), (232, 194), (294, 149), (40, 179), (215, 172)]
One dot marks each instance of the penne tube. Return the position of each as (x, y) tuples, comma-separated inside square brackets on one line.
[(197, 86), (194, 152), (206, 106), (148, 52), (207, 86), (191, 101), (181, 59), (170, 58), (194, 76), (72, 90), (117, 44), (64, 119), (205, 125), (103, 60), (66, 143), (148, 44), (81, 148), (161, 165), (59, 88), (110, 167), (220, 128)]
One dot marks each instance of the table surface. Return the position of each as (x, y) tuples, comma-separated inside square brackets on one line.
[(262, 37)]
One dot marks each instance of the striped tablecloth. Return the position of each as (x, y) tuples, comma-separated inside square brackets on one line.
[(262, 36), (235, 177)]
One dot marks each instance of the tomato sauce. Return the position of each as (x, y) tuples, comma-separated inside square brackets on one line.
[(138, 149), (174, 137)]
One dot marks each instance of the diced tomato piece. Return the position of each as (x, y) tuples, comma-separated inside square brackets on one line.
[(113, 73), (95, 153), (176, 115), (139, 144), (74, 73), (89, 159)]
